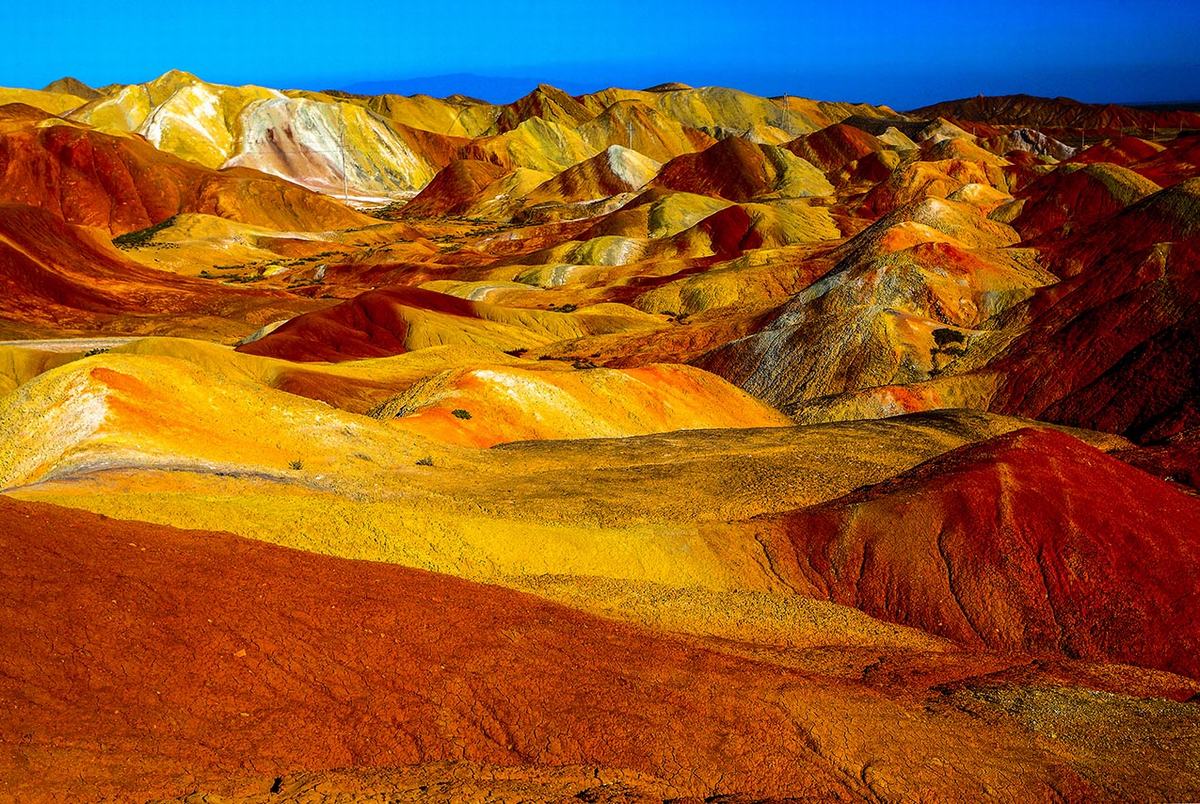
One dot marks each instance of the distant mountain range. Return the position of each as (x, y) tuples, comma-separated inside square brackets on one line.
[(491, 88)]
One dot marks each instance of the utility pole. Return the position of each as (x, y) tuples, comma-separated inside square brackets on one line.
[(342, 148)]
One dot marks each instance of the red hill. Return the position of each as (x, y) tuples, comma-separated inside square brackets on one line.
[(143, 661), (1031, 541), (199, 665), (1113, 347), (453, 189), (1077, 197), (54, 273), (371, 324), (834, 147), (733, 168), (1057, 113), (123, 184)]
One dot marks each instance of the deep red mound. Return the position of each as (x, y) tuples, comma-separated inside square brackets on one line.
[(732, 231), (1125, 151), (139, 659), (453, 189), (1058, 113), (369, 325), (1032, 541), (547, 102), (733, 168), (1078, 198), (1179, 161), (1177, 459), (123, 184), (52, 272), (834, 147), (1114, 346)]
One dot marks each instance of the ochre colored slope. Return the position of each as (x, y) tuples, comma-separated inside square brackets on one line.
[(51, 102), (487, 406), (639, 127), (1031, 541), (614, 171), (933, 179)]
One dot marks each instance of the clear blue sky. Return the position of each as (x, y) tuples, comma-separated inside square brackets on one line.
[(905, 54)]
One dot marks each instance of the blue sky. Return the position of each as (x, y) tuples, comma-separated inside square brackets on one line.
[(904, 54)]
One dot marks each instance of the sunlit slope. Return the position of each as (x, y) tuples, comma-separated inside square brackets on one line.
[(389, 147), (339, 149), (124, 399), (487, 406), (121, 413), (322, 144), (55, 103)]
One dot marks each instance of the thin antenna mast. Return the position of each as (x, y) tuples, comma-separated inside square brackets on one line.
[(342, 148)]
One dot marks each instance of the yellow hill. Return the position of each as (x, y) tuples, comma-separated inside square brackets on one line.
[(486, 406)]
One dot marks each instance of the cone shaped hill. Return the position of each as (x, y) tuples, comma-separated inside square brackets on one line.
[(660, 444)]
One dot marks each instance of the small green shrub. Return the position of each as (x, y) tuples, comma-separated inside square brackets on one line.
[(944, 336), (459, 413), (426, 461), (142, 236)]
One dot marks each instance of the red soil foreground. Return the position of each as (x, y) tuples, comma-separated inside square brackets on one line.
[(140, 660)]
